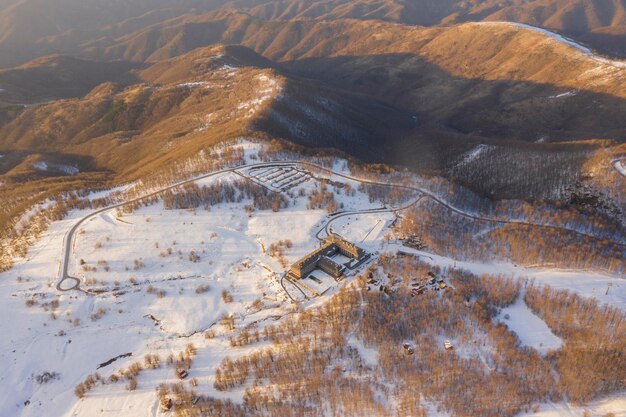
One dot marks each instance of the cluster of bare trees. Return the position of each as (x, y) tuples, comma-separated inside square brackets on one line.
[(193, 196), (394, 196), (449, 233), (522, 172), (15, 239), (277, 250), (592, 362), (312, 363), (322, 198), (217, 157), (182, 361)]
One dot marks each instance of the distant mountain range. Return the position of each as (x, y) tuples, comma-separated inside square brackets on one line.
[(33, 28)]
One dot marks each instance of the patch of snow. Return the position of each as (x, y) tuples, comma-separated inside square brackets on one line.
[(566, 94), (67, 169), (433, 410), (48, 166), (368, 354), (94, 195), (619, 167), (40, 166), (229, 70), (195, 84), (531, 329), (615, 404), (207, 121), (475, 153), (268, 88)]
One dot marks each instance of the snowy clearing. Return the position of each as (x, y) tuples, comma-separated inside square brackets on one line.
[(158, 304), (531, 329)]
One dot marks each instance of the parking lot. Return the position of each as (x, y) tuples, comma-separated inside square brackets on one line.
[(282, 178)]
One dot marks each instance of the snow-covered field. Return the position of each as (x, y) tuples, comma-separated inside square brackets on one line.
[(163, 278), (531, 330), (158, 304)]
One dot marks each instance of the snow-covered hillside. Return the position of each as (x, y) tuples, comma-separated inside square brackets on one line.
[(156, 281), (162, 279)]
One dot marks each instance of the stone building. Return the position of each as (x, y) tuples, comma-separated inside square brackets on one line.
[(321, 258)]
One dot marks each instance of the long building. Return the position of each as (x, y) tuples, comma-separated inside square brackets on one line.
[(321, 258)]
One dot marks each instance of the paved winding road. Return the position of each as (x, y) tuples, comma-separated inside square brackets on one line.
[(69, 237), (429, 194)]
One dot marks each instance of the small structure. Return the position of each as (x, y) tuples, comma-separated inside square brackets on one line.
[(166, 403), (409, 349), (448, 345), (418, 290), (181, 373), (314, 278)]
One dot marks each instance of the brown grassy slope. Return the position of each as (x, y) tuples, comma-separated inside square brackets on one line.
[(134, 129), (123, 129), (491, 51), (490, 80), (118, 134), (59, 76), (200, 61), (601, 23)]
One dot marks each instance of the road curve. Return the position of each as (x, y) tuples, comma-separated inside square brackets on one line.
[(336, 216), (69, 237), (443, 203)]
